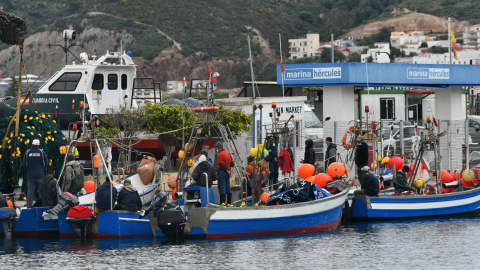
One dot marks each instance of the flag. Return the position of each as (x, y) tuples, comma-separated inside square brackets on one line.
[(185, 84), (454, 45), (24, 100), (281, 65), (209, 72), (435, 121)]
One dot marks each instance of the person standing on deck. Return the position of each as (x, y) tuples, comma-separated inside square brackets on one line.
[(224, 164), (361, 157), (35, 161)]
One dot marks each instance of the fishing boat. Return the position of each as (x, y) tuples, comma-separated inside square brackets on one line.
[(464, 203), (111, 223), (441, 196), (216, 222)]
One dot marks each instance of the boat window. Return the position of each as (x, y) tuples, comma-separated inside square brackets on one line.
[(97, 82), (124, 81), (112, 81), (67, 82)]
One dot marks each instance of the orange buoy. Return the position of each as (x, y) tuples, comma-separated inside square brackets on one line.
[(465, 183), (310, 179), (264, 197), (455, 174), (96, 161), (321, 179), (397, 161), (10, 203), (336, 170), (205, 109), (447, 178), (306, 170), (172, 184), (443, 173), (89, 186)]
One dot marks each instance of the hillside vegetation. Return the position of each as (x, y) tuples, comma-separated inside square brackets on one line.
[(209, 33)]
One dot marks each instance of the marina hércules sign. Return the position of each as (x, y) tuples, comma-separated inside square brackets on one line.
[(313, 73)]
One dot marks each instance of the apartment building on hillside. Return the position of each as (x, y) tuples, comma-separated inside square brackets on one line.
[(398, 39), (302, 47), (471, 36)]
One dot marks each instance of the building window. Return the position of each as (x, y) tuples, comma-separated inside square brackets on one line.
[(67, 82), (387, 109)]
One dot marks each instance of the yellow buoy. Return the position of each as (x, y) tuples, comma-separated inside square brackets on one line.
[(181, 154), (190, 163), (253, 152)]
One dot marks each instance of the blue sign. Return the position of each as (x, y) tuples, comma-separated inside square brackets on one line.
[(375, 74)]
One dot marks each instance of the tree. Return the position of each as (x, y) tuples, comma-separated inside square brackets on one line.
[(355, 57), (326, 56), (424, 45), (167, 120)]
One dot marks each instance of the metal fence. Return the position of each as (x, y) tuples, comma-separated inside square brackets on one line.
[(459, 147)]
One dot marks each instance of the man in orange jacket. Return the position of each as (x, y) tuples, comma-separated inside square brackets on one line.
[(224, 164)]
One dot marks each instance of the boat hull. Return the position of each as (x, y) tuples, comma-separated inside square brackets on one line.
[(236, 222), (111, 224), (463, 203), (30, 223)]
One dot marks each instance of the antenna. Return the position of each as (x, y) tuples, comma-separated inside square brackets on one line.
[(68, 36)]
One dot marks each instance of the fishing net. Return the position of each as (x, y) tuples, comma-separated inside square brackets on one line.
[(32, 125)]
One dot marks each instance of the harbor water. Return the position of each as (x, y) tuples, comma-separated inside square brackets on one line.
[(416, 244)]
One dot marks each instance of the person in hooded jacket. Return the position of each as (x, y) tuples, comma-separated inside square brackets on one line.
[(105, 196), (331, 153), (203, 167), (401, 182), (128, 198), (309, 157), (49, 189), (72, 168), (35, 161)]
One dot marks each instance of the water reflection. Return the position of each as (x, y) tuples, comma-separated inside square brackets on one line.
[(419, 244)]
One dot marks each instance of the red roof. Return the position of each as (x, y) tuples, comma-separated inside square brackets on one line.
[(420, 91)]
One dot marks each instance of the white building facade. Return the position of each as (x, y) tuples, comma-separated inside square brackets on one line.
[(304, 47)]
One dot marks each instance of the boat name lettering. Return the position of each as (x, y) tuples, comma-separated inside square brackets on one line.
[(314, 73), (46, 100), (428, 73), (292, 109)]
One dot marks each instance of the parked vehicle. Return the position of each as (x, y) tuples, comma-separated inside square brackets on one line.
[(391, 139)]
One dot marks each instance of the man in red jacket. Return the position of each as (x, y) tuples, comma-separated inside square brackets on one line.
[(224, 164)]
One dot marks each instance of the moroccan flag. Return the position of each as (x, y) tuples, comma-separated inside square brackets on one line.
[(454, 45), (281, 65)]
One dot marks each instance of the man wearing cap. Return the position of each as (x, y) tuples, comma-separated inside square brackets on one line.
[(205, 153), (370, 185), (224, 164), (35, 161), (401, 183), (361, 157), (128, 198)]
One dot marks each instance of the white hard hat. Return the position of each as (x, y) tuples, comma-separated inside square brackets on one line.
[(36, 142)]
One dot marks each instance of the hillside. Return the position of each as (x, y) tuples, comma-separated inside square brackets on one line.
[(175, 39)]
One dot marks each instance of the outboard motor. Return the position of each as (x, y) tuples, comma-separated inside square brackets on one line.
[(80, 218), (66, 201), (7, 217), (171, 222)]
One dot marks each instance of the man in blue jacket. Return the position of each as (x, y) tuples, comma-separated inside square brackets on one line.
[(128, 198), (370, 185), (35, 161), (106, 195)]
